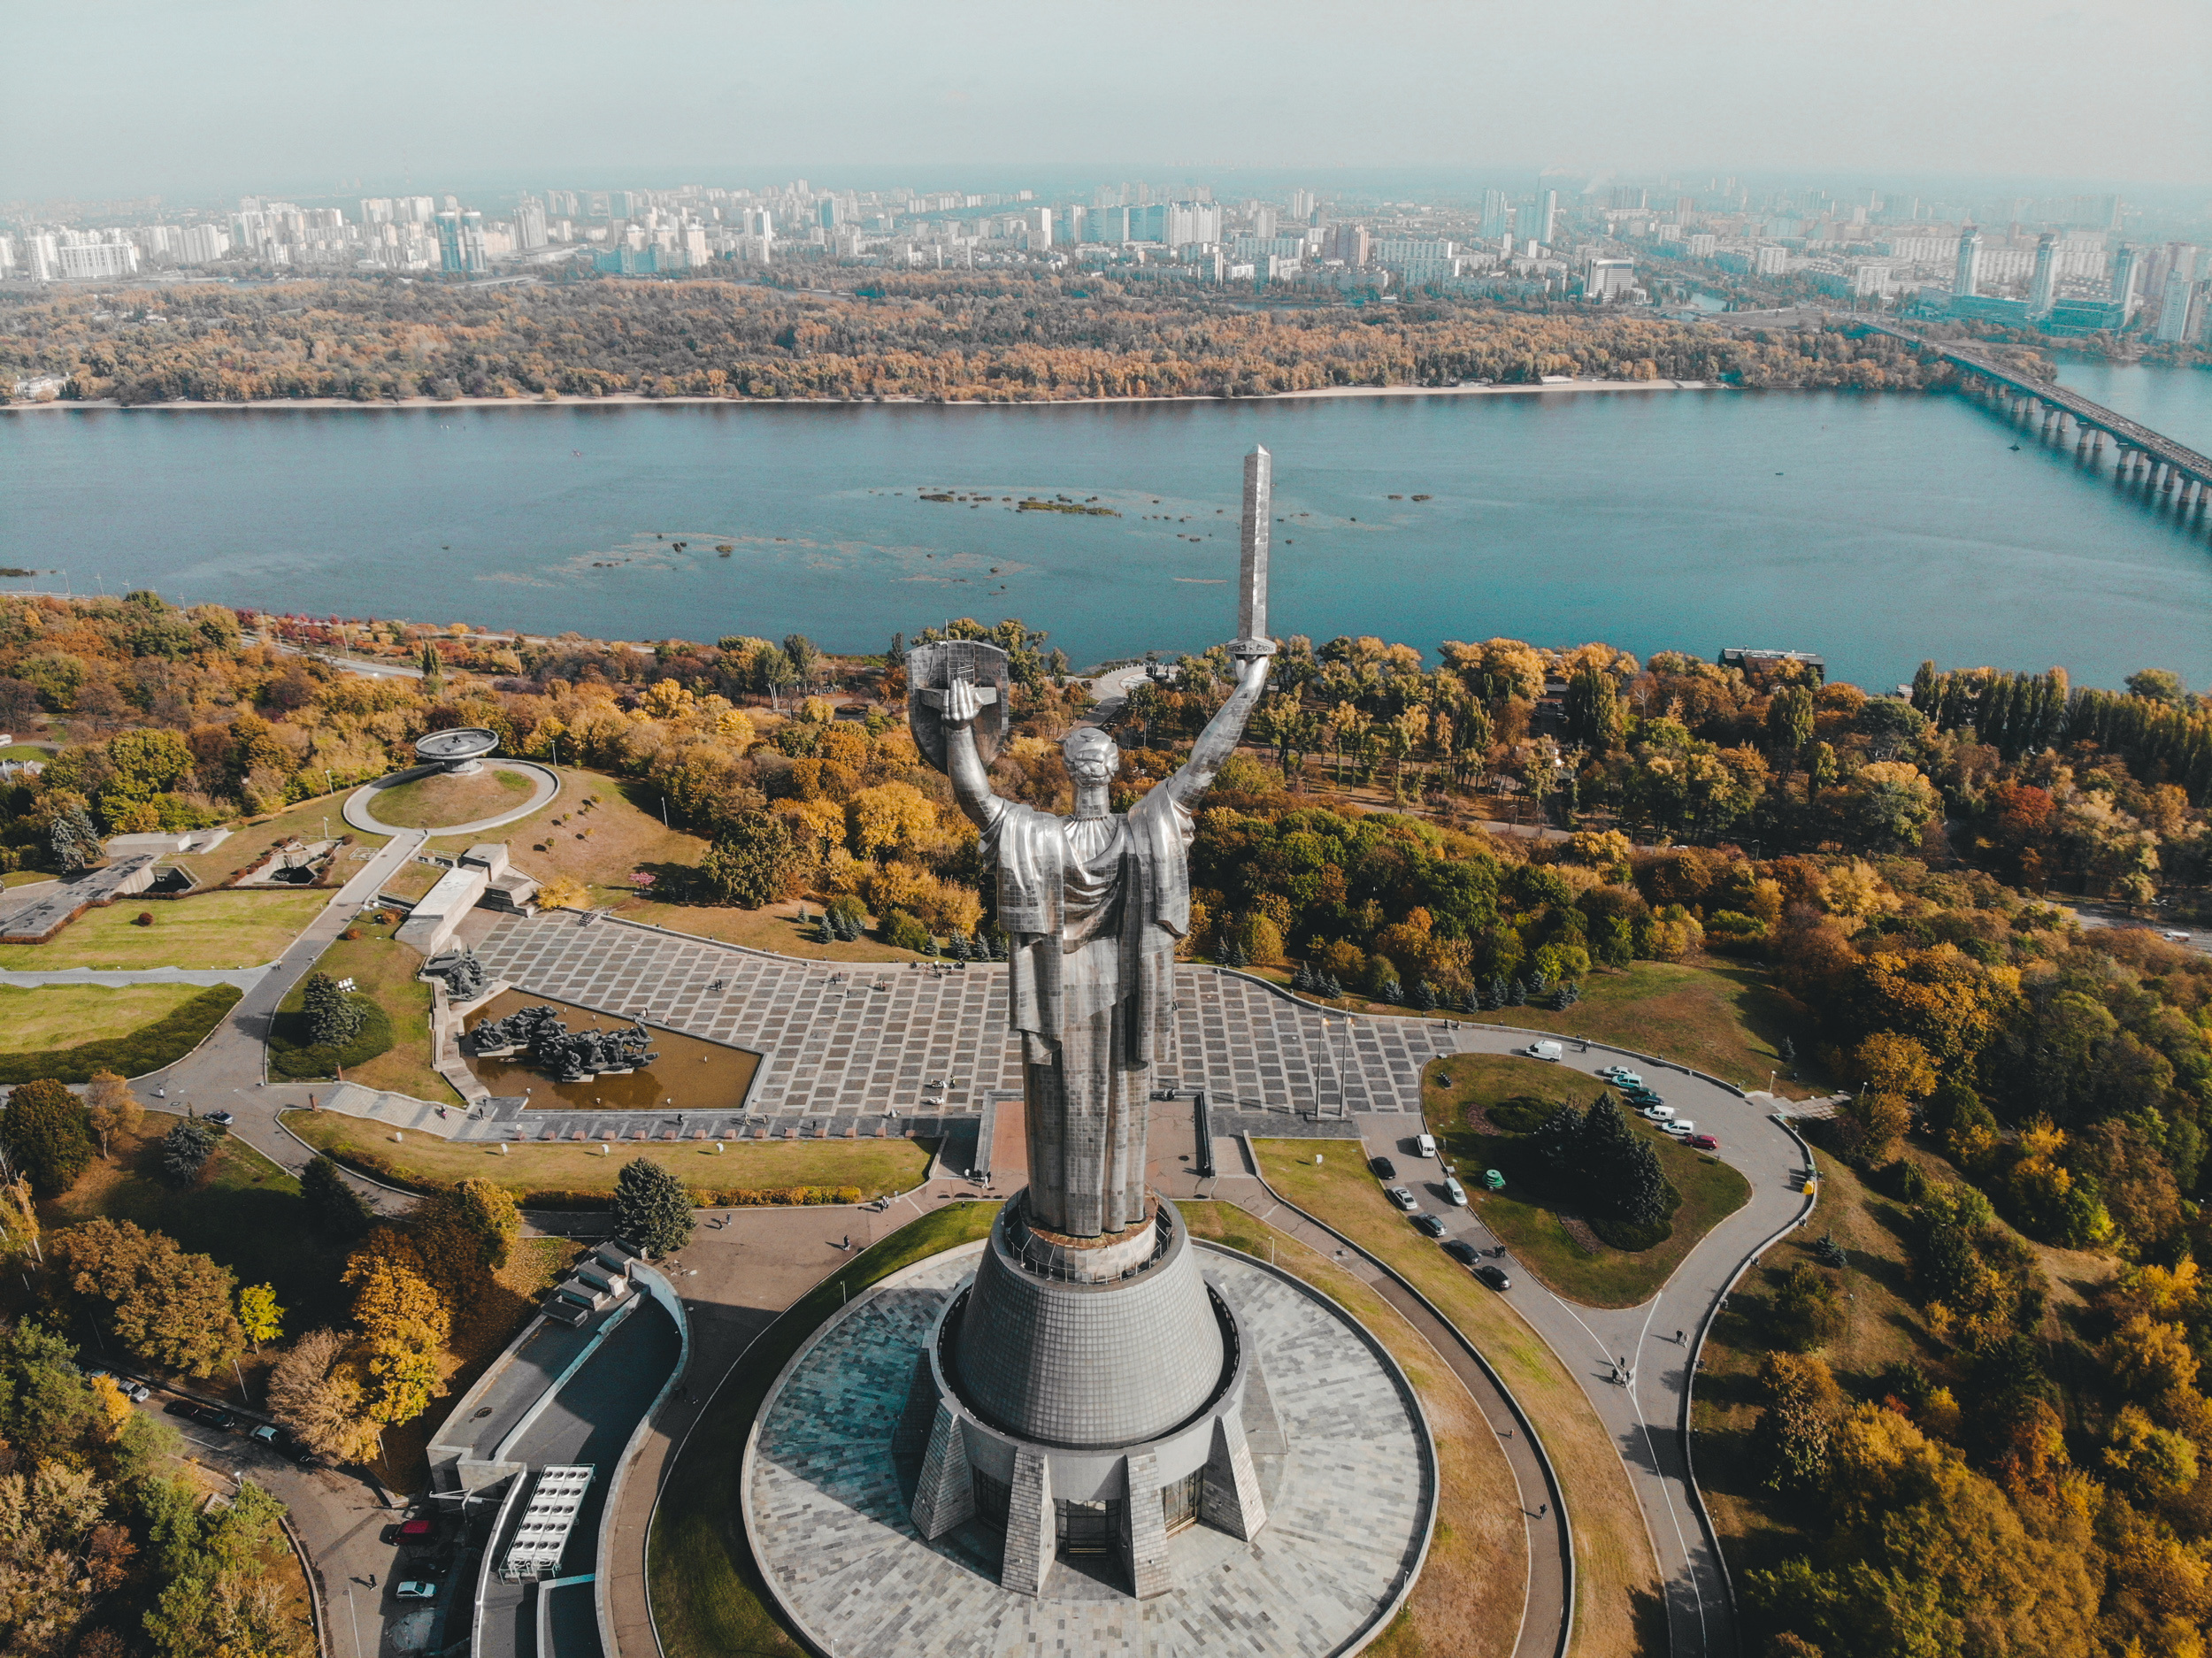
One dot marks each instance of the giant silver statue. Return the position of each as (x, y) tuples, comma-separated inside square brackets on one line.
[(1092, 905)]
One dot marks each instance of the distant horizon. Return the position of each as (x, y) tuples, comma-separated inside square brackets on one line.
[(137, 98)]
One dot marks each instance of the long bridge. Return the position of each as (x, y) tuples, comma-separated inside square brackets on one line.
[(2163, 466)]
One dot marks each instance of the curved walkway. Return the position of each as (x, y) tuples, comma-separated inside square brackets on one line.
[(546, 784)]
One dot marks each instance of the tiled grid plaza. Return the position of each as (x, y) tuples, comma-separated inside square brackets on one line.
[(842, 1042)]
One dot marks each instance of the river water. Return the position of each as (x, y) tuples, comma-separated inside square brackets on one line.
[(1875, 529)]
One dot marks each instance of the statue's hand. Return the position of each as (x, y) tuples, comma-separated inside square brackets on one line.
[(962, 702), (1252, 674)]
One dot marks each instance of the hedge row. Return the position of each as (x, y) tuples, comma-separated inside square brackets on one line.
[(149, 1047), (381, 1168)]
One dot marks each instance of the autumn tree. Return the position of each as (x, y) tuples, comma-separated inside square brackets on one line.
[(48, 1135), (404, 1323), (111, 1107), (314, 1392), (171, 1310)]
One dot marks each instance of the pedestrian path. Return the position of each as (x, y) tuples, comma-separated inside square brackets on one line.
[(244, 978)]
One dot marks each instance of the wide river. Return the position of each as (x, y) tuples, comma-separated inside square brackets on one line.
[(1875, 529)]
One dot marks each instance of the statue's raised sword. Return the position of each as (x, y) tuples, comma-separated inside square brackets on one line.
[(1252, 638)]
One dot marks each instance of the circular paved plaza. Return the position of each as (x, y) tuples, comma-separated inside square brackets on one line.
[(1349, 1482)]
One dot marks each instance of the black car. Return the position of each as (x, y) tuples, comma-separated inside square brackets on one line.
[(213, 1416), (1433, 1224), (1495, 1277), (180, 1407), (1462, 1251), (1384, 1170)]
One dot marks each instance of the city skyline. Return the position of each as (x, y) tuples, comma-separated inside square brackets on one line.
[(412, 95)]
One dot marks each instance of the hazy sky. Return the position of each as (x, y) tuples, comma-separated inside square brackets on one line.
[(218, 96)]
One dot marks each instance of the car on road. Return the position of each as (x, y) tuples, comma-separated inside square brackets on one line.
[(1433, 1224), (221, 1119), (1462, 1251), (1495, 1277), (1455, 1193), (1703, 1142), (417, 1589), (1623, 1075), (417, 1528), (1384, 1170), (267, 1435), (1545, 1050), (2175, 935), (1681, 1128), (1424, 1146), (137, 1392), (213, 1416), (1658, 1113), (1403, 1199), (180, 1407)]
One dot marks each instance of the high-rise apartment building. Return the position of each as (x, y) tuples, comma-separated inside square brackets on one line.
[(1545, 221), (529, 226), (2175, 295), (2043, 285), (1302, 206), (461, 249), (1966, 280), (1497, 215), (2127, 267)]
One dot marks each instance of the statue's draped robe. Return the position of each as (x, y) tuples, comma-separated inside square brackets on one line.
[(1093, 909)]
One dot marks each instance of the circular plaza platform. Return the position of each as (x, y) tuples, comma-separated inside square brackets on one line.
[(1339, 1445)]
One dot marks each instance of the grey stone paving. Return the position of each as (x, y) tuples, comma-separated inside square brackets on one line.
[(847, 1042), (1348, 1503)]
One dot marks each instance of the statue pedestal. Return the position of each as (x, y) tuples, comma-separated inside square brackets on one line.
[(1086, 1394)]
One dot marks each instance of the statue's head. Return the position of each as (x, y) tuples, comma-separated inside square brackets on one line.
[(1091, 754)]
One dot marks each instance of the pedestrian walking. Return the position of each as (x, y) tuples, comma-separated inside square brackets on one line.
[(1542, 1508), (371, 1580), (1677, 1338)]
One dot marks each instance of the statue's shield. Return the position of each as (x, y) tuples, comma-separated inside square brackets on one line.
[(929, 669)]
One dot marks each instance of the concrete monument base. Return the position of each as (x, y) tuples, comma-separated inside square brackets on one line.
[(1030, 1546)]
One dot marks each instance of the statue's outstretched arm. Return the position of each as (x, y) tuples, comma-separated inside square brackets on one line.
[(971, 783), (1222, 734)]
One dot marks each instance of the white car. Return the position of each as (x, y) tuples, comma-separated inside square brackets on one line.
[(1403, 1199), (1424, 1146), (1681, 1128), (1622, 1076), (2174, 936), (1455, 1193), (1659, 1113)]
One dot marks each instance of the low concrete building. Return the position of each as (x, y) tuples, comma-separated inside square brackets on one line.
[(481, 875)]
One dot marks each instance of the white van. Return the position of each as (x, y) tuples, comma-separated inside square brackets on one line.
[(1545, 1050), (1455, 1193), (1426, 1145)]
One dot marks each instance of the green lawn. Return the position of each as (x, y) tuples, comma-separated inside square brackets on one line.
[(544, 1174), (223, 928), (707, 1595), (62, 1016), (165, 1035), (1597, 1277), (1618, 1610), (246, 1213), (448, 797), (384, 972)]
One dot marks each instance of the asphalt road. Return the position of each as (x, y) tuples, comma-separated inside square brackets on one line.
[(1634, 1364)]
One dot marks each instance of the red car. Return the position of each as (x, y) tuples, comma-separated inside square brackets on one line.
[(1703, 1142)]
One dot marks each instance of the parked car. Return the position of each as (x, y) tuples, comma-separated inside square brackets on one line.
[(1384, 1170), (1433, 1226), (417, 1589), (1623, 1075), (1658, 1113), (1403, 1199), (266, 1435), (1455, 1193), (213, 1416), (137, 1392), (1495, 1277), (180, 1407), (1424, 1146), (2175, 935), (1681, 1128), (221, 1119), (1704, 1142), (1462, 1251), (413, 1531)]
